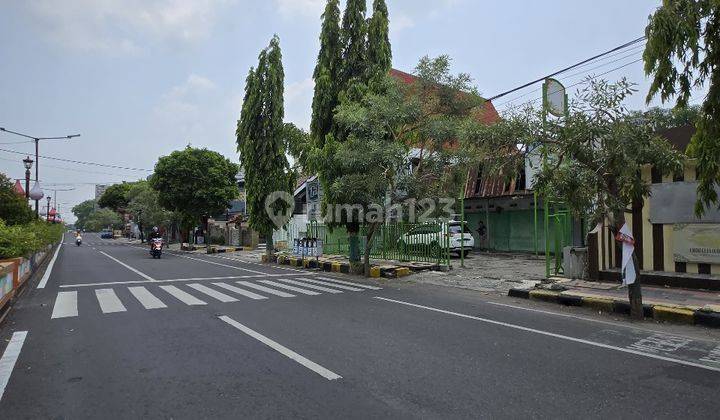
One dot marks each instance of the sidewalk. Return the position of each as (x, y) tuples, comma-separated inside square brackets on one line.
[(685, 306)]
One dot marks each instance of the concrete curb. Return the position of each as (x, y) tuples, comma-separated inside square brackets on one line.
[(340, 266), (660, 312)]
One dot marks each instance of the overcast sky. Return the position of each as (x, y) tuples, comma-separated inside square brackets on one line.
[(140, 78)]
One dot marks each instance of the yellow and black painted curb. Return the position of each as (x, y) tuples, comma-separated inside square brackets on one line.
[(706, 316), (386, 271), (216, 250)]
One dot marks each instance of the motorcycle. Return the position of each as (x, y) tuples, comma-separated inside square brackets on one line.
[(78, 241), (156, 247)]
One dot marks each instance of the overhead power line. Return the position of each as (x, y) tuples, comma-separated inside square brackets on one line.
[(619, 47), (80, 162), (604, 64), (586, 80)]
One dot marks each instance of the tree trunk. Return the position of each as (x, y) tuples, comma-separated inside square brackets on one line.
[(634, 290), (366, 257), (269, 245), (354, 253)]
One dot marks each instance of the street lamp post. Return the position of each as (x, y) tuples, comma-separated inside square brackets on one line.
[(139, 223), (47, 214), (37, 157), (27, 162)]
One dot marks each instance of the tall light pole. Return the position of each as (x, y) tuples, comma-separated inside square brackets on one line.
[(37, 156), (27, 162), (47, 213)]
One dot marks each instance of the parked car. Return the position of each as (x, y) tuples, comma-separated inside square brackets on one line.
[(430, 236), (106, 234)]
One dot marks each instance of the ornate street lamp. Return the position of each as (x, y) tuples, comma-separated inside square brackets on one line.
[(47, 214), (27, 163)]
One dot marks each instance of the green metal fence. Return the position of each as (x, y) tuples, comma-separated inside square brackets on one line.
[(423, 242)]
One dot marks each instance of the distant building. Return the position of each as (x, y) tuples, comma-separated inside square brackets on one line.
[(100, 190)]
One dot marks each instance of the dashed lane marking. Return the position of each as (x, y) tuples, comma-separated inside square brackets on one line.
[(322, 371), (134, 270)]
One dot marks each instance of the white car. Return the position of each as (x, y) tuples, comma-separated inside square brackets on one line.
[(430, 236)]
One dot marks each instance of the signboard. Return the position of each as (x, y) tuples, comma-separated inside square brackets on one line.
[(674, 202), (554, 98), (696, 243), (313, 196)]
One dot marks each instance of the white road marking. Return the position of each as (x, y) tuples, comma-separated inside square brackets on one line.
[(112, 283), (713, 356), (550, 334), (311, 286), (222, 297), (265, 289), (109, 302), (240, 291), (293, 288), (217, 263), (48, 270), (325, 283), (260, 264), (9, 357), (184, 297), (660, 343), (65, 305), (146, 299), (364, 286), (134, 270), (324, 372)]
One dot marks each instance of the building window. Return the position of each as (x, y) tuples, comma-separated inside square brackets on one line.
[(704, 268), (478, 180), (655, 175), (680, 267)]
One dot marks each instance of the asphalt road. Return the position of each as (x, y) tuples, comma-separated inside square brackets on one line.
[(117, 334)]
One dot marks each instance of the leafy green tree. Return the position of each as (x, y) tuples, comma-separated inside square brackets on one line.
[(682, 53), (195, 183), (103, 219), (385, 128), (83, 211), (379, 52), (326, 74), (664, 118), (115, 197), (593, 155), (354, 44), (261, 140), (14, 209), (144, 205)]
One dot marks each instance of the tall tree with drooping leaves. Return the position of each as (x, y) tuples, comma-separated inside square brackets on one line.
[(379, 53), (326, 74), (683, 53), (261, 141), (354, 45)]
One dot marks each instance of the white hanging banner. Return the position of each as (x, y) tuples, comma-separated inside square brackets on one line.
[(628, 246)]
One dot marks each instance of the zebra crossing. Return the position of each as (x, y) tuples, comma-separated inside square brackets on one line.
[(152, 297)]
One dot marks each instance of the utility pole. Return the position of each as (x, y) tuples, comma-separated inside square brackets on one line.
[(37, 155)]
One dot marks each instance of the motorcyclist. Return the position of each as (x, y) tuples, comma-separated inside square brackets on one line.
[(154, 233)]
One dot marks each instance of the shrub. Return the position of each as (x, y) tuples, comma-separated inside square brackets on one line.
[(217, 240), (23, 240)]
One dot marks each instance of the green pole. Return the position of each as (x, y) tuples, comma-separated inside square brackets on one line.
[(462, 231), (535, 243), (547, 239)]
